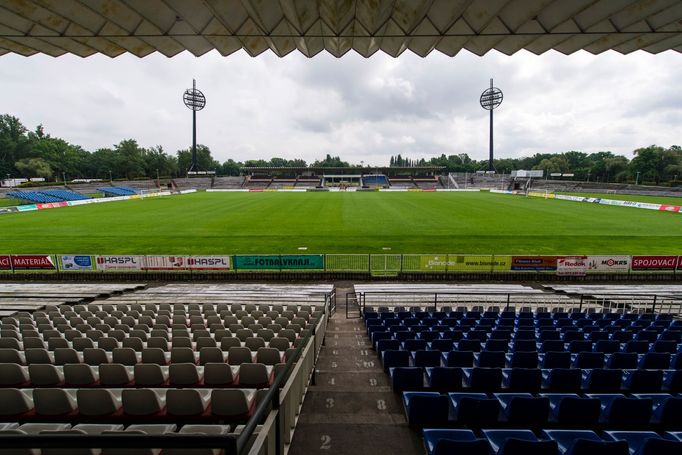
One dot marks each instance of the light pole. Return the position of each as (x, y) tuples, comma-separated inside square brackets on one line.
[(111, 180), (196, 101), (637, 178), (490, 99), (158, 180)]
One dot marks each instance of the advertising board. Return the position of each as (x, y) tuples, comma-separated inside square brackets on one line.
[(480, 263), (119, 263), (571, 266), (33, 262), (608, 264), (654, 262), (534, 263), (669, 208), (5, 263), (166, 263), (75, 263), (284, 262), (209, 262)]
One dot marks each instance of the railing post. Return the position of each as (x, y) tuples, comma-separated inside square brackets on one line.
[(580, 308), (435, 301), (508, 300), (653, 307)]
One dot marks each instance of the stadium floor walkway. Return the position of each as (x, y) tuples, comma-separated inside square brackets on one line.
[(351, 408)]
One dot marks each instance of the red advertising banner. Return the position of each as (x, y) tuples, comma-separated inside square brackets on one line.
[(534, 263), (33, 262), (670, 208), (679, 263), (654, 262), (5, 263)]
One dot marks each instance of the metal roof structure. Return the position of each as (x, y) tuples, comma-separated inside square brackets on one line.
[(141, 27)]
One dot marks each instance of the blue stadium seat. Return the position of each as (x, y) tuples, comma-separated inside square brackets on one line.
[(638, 442), (584, 442), (602, 380), (391, 358), (384, 345), (589, 360), (623, 361), (474, 409), (556, 359), (519, 442), (424, 358), (443, 344), (640, 381), (655, 361), (565, 380), (524, 346), (667, 409), (426, 408), (483, 379), (491, 359), (523, 409), (619, 411), (406, 378), (572, 410), (463, 359), (522, 379), (445, 379), (414, 344), (521, 359), (444, 442)]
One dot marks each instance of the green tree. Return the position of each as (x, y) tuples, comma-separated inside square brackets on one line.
[(204, 159), (34, 167)]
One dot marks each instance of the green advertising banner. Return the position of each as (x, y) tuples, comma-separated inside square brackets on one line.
[(283, 262)]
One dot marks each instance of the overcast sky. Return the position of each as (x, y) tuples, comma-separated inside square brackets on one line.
[(360, 109)]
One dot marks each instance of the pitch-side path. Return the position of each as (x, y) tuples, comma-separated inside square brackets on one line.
[(351, 408)]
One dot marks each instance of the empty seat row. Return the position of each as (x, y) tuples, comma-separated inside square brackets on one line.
[(133, 318), (234, 404), (478, 312), (523, 410), (144, 331), (534, 380), (550, 442), (170, 429), (255, 375), (282, 342), (234, 355), (529, 359)]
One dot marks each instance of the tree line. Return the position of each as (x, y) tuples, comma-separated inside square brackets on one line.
[(25, 153)]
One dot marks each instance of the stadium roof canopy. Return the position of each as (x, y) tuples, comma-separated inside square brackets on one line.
[(141, 27)]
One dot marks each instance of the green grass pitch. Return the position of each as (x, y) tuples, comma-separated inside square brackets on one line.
[(372, 222)]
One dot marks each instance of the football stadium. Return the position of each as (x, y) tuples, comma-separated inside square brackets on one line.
[(278, 307)]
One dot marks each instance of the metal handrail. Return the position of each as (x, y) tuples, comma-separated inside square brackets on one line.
[(233, 445)]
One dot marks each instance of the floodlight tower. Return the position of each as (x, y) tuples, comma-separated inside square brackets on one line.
[(195, 101), (491, 98)]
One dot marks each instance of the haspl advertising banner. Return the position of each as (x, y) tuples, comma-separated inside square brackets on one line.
[(33, 262), (608, 264), (209, 262), (119, 263), (5, 263), (571, 266), (283, 262), (75, 263), (654, 262), (534, 263)]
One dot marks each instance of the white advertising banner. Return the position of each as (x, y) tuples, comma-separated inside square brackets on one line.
[(166, 263), (119, 263), (209, 262), (608, 264), (571, 266)]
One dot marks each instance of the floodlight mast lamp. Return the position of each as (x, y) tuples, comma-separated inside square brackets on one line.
[(491, 98), (195, 101)]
